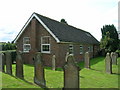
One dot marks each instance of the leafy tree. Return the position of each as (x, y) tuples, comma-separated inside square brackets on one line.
[(63, 21), (109, 41), (8, 46)]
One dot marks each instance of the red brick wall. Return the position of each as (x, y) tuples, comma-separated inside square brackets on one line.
[(35, 31)]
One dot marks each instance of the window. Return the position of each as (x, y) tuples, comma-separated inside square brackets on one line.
[(90, 49), (26, 44), (45, 44), (70, 49), (81, 49)]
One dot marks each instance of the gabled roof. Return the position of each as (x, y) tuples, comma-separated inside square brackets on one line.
[(62, 32)]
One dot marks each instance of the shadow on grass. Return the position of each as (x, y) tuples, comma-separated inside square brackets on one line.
[(57, 69), (93, 61), (46, 67), (19, 78)]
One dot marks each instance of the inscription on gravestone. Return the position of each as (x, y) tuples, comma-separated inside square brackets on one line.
[(71, 73), (39, 77)]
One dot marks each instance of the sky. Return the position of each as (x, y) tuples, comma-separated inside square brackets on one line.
[(89, 15)]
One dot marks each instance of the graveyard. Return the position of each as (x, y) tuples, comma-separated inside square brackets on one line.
[(93, 77)]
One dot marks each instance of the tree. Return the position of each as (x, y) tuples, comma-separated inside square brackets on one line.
[(8, 46), (63, 21), (109, 41)]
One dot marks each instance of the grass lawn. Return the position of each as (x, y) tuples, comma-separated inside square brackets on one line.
[(93, 78)]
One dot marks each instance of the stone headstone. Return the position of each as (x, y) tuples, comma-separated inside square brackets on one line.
[(39, 76), (108, 64), (66, 56), (19, 65), (8, 63), (2, 62), (87, 60), (71, 73), (53, 62), (114, 58)]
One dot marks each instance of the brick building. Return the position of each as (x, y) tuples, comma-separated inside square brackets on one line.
[(50, 37)]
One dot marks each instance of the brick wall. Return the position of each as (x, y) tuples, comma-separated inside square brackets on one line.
[(35, 31)]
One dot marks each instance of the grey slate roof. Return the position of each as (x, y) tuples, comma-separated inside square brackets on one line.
[(67, 33)]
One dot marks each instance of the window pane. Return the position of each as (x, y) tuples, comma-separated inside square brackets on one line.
[(70, 49), (45, 47), (26, 47), (26, 40), (81, 49)]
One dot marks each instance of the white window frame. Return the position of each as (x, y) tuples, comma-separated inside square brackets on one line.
[(81, 47), (72, 49), (45, 44), (25, 45)]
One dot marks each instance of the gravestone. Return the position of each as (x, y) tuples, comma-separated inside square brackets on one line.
[(66, 56), (114, 58), (53, 62), (87, 60), (8, 63), (71, 73), (108, 64), (19, 65), (2, 62), (39, 77)]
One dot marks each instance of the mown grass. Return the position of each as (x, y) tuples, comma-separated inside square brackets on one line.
[(89, 78)]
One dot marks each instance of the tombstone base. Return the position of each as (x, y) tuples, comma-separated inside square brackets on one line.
[(42, 84), (19, 76)]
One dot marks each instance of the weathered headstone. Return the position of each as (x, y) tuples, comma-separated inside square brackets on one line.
[(66, 56), (19, 65), (114, 58), (8, 63), (2, 62), (108, 64), (87, 60), (53, 62), (71, 73), (39, 77)]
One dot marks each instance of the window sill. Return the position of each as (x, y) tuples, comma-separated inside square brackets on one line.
[(45, 52), (25, 51)]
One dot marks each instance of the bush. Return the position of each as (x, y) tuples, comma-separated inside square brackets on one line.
[(8, 46)]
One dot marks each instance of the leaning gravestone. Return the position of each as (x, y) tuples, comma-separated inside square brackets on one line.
[(87, 60), (19, 65), (8, 63), (114, 58), (71, 73), (2, 62), (39, 77), (53, 62), (108, 64)]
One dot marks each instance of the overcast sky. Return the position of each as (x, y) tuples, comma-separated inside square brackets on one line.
[(89, 15)]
